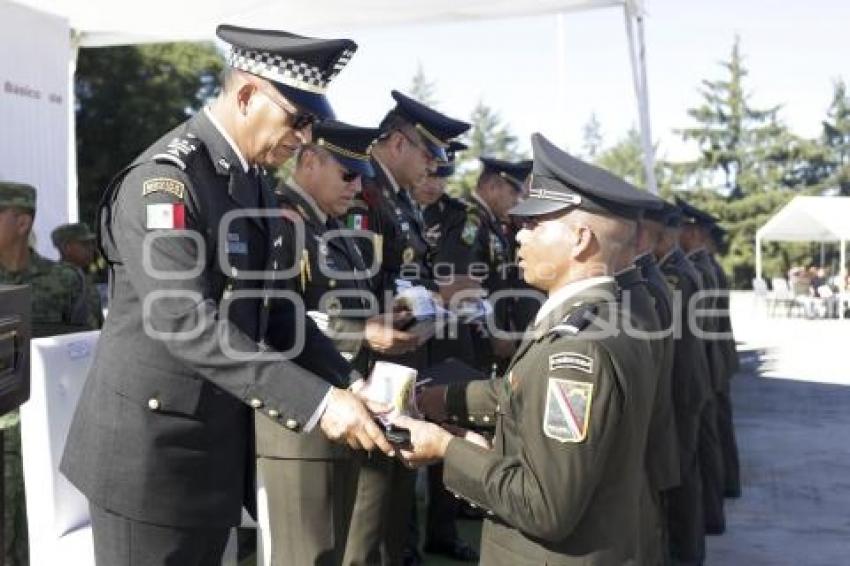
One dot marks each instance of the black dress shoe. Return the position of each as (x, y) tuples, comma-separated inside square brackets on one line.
[(456, 549)]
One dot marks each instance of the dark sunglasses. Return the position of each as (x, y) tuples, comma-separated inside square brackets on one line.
[(302, 120), (349, 176)]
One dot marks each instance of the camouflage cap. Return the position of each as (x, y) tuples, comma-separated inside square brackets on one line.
[(76, 232), (18, 195)]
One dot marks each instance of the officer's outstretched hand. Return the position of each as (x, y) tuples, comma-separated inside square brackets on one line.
[(383, 336), (428, 442), (346, 419)]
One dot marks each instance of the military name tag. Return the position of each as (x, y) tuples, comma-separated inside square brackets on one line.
[(235, 245), (571, 360), (169, 186), (567, 414)]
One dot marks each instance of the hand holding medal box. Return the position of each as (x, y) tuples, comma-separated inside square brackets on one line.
[(393, 385)]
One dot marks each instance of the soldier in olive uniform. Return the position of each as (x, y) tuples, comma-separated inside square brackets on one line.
[(413, 141), (691, 239), (76, 246), (199, 334), (479, 247), (563, 478), (305, 476), (732, 474), (443, 214), (690, 388), (58, 307)]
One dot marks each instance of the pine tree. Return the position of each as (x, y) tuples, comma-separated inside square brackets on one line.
[(836, 138), (490, 137), (592, 138), (422, 89), (735, 140)]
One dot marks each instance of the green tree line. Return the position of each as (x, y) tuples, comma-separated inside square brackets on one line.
[(748, 163)]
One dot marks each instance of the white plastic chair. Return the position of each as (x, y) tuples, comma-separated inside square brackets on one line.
[(782, 295), (57, 513)]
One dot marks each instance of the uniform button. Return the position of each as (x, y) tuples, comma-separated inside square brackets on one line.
[(456, 496), (154, 404), (490, 513), (291, 424), (473, 505), (332, 283), (498, 407), (256, 404), (274, 413), (454, 418), (471, 419), (486, 419)]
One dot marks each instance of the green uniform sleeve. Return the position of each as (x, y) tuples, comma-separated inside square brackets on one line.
[(566, 420)]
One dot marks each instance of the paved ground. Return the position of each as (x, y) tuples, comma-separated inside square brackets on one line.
[(792, 416)]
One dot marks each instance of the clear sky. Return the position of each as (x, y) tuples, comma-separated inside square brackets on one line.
[(793, 51)]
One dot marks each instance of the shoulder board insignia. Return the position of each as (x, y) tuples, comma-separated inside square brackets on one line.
[(470, 229), (576, 321), (290, 215), (159, 157), (571, 360), (164, 185), (567, 413)]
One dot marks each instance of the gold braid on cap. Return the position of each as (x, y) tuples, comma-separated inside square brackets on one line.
[(344, 152), (431, 137)]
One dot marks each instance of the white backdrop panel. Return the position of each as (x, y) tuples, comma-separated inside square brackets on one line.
[(34, 54)]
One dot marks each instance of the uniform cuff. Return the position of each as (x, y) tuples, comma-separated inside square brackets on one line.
[(320, 410), (464, 468)]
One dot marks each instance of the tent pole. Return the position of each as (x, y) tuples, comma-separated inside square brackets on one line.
[(561, 36), (842, 270), (73, 205), (637, 57)]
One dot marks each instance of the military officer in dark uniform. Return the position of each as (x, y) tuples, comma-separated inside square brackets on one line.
[(732, 486), (198, 336), (412, 142), (306, 475), (479, 247), (690, 390), (562, 481), (444, 214), (712, 461)]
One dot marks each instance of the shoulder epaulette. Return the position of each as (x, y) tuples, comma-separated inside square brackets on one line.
[(577, 320), (179, 150)]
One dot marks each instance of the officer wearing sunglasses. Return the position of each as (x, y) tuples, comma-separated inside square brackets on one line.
[(305, 475)]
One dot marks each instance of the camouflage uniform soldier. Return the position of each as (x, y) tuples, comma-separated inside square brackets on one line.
[(58, 307), (76, 246)]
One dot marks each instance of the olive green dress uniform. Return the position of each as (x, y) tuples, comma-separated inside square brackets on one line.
[(398, 246), (711, 451), (310, 482), (661, 450), (725, 423), (564, 480), (562, 483), (691, 390)]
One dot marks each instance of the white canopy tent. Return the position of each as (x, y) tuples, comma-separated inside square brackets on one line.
[(809, 219), (98, 23)]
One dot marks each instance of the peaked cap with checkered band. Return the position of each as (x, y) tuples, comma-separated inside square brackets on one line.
[(560, 181), (301, 68)]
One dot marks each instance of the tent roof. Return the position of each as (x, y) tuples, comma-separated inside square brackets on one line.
[(114, 22), (810, 219)]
